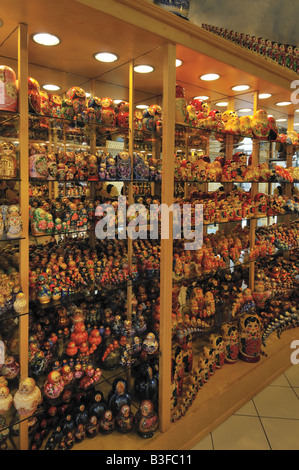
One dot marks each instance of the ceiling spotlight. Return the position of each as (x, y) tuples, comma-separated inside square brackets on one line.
[(143, 68), (245, 110), (281, 120), (142, 106), (264, 96), (203, 98), (210, 77), (46, 39), (107, 57), (283, 103), (50, 87), (178, 62), (222, 104), (240, 87)]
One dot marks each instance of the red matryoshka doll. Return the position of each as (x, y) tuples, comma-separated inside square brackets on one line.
[(269, 48), (214, 119), (34, 97), (250, 334), (180, 105), (273, 129), (108, 116), (275, 52), (230, 335), (282, 55), (8, 89), (261, 205), (78, 98), (122, 114)]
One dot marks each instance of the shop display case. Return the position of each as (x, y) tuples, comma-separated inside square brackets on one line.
[(128, 325)]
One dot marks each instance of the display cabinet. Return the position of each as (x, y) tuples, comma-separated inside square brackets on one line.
[(139, 317)]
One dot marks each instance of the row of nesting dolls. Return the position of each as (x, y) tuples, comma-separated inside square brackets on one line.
[(284, 54), (197, 113), (236, 341), (239, 169)]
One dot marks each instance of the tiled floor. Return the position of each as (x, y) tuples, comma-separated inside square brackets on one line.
[(270, 421)]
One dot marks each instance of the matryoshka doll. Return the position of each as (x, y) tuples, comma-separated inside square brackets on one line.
[(180, 105), (245, 126), (230, 335), (250, 338), (34, 97), (38, 164), (260, 125), (27, 398), (54, 387), (177, 371), (273, 132), (108, 116), (55, 103), (8, 160), (125, 419), (146, 419), (95, 103), (6, 400), (13, 222), (123, 166), (78, 99), (138, 116), (217, 343), (8, 89), (122, 114), (107, 422)]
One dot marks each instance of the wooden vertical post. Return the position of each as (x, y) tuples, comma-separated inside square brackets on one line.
[(24, 205), (254, 191), (169, 81)]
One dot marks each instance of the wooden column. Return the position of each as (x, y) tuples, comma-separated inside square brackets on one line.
[(169, 81), (254, 191), (24, 204)]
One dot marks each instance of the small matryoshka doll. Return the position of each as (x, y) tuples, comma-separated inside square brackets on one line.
[(95, 103), (54, 386), (122, 114), (217, 343), (6, 400), (13, 222), (123, 166), (146, 419), (138, 116), (55, 103), (108, 116), (78, 98), (250, 338), (27, 398), (180, 105), (125, 419), (230, 335), (107, 422), (8, 89)]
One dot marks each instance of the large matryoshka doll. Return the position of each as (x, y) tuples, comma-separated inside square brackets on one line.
[(34, 97), (78, 98), (260, 125), (108, 115), (8, 89), (180, 105), (250, 334), (230, 335)]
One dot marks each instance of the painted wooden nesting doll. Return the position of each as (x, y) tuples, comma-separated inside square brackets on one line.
[(217, 343), (250, 334), (122, 114), (8, 161), (34, 97), (180, 105), (146, 419), (230, 334), (27, 398), (108, 116), (124, 420), (123, 166), (13, 222), (260, 124), (78, 98), (8, 89)]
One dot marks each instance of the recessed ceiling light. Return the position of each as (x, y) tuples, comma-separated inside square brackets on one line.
[(222, 104), (270, 115), (210, 77), (264, 96), (178, 62), (245, 110), (281, 120), (46, 39), (117, 101), (283, 103), (296, 110), (143, 68), (203, 98), (296, 124), (240, 87), (142, 106), (50, 87), (88, 95), (106, 57)]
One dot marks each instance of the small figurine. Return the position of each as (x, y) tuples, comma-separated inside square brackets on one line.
[(250, 335), (125, 419), (6, 400), (107, 422), (230, 335), (27, 398), (146, 419)]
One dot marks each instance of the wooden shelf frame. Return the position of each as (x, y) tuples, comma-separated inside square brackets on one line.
[(170, 32)]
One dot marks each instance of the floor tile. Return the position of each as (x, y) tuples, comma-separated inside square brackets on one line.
[(292, 376), (282, 381), (240, 433), (277, 402), (282, 433), (247, 410), (205, 444)]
